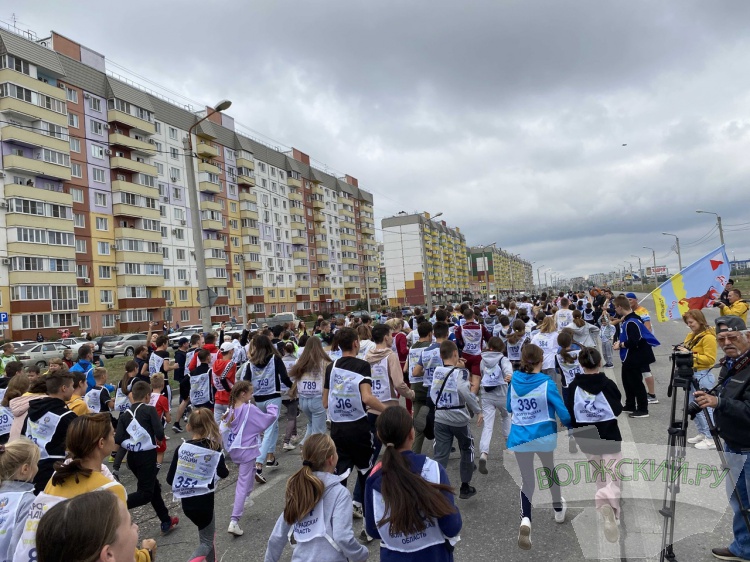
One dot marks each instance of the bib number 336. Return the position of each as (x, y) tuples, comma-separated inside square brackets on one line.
[(526, 404)]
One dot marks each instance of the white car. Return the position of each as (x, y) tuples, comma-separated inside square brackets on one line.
[(76, 343)]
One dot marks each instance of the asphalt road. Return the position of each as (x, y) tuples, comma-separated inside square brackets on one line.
[(490, 519)]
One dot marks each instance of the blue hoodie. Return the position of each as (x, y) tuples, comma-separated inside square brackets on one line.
[(86, 367), (541, 436)]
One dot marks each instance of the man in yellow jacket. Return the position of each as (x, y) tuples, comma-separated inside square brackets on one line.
[(737, 307)]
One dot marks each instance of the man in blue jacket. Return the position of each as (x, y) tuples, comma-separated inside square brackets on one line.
[(85, 365)]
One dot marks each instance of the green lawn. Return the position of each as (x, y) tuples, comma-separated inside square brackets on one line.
[(116, 368)]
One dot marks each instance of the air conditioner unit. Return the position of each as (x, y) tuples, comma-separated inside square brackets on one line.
[(165, 198), (110, 306), (174, 179), (117, 317), (278, 253), (6, 261), (114, 270), (113, 246), (183, 222), (106, 127), (273, 284), (170, 303), (108, 152), (2, 174), (187, 282), (86, 96), (61, 85), (281, 268), (87, 280), (3, 204)]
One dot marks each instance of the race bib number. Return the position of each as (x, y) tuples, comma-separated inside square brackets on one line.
[(531, 408)]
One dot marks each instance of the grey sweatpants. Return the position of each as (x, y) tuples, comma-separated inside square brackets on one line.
[(444, 435), (205, 549)]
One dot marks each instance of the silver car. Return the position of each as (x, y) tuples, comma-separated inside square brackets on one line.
[(124, 344), (40, 354), (76, 343)]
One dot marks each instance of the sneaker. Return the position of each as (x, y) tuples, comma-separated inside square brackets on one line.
[(483, 463), (705, 445), (628, 409), (168, 526), (572, 445), (611, 532), (296, 439), (116, 475), (357, 512), (652, 399), (272, 463), (697, 439), (234, 529), (288, 447), (259, 478), (609, 365), (638, 414), (466, 491), (176, 428), (167, 437), (364, 537), (524, 534), (724, 554), (111, 459), (560, 515)]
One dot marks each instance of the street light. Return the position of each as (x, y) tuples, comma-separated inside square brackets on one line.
[(679, 256), (195, 215), (640, 268), (538, 277), (653, 254), (718, 222), (426, 283)]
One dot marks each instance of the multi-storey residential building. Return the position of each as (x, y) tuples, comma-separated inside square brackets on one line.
[(383, 275), (102, 163), (425, 260), (494, 270)]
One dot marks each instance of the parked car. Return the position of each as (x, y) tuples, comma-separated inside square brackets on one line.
[(40, 354), (281, 318), (76, 343), (21, 343), (124, 344), (186, 333)]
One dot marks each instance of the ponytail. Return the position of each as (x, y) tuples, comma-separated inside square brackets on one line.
[(304, 489)]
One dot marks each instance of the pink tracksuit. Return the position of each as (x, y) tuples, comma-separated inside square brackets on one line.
[(256, 422)]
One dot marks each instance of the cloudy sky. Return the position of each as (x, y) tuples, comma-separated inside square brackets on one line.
[(510, 117)]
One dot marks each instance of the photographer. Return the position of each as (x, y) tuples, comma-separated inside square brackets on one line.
[(701, 342), (732, 416), (736, 306)]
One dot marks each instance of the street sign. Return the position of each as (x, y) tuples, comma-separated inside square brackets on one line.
[(3, 317), (212, 296)]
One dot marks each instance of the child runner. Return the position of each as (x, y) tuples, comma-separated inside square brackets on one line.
[(18, 465), (122, 403), (502, 328), (515, 342), (424, 331), (139, 429), (317, 510), (17, 387), (308, 374), (223, 377), (564, 316), (289, 397), (186, 384), (429, 360), (496, 374), (534, 400), (471, 338), (410, 500), (594, 402), (546, 339), (196, 466), (241, 427), (606, 334), (159, 401), (76, 403), (455, 405), (566, 363)]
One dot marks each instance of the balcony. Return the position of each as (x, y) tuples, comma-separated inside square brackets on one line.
[(12, 162), (211, 206), (31, 138), (245, 163), (346, 212), (248, 214), (205, 150), (124, 163), (217, 282), (14, 106), (299, 255), (209, 224), (136, 280), (295, 196), (138, 234), (132, 257), (319, 217), (137, 211), (368, 230), (293, 182), (297, 225), (209, 187), (212, 244), (138, 189), (301, 284), (317, 190), (301, 269), (250, 231), (318, 205), (346, 236), (209, 168), (253, 265), (299, 240), (141, 125), (254, 283), (249, 197), (351, 284), (138, 146), (50, 277), (244, 179)]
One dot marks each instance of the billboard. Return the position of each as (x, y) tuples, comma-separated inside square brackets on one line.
[(658, 270)]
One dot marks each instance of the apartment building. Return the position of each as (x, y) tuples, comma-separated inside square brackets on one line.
[(425, 260), (102, 163), (494, 270)]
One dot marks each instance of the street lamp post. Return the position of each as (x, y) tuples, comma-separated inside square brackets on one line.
[(679, 256), (653, 255), (640, 269), (195, 215), (718, 222), (538, 277)]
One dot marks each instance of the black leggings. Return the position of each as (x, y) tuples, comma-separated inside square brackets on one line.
[(526, 464)]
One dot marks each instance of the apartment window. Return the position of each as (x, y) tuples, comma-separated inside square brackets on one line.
[(160, 168), (100, 199), (96, 127), (102, 248), (166, 273), (176, 193), (108, 321), (179, 233), (105, 272), (182, 275), (105, 296), (97, 151), (95, 104), (73, 120), (183, 294), (82, 271), (174, 173), (102, 223), (76, 171), (80, 246), (173, 152), (71, 95), (84, 322), (178, 213), (181, 254), (75, 144), (173, 133), (163, 231), (79, 220), (184, 316), (165, 252), (83, 296), (157, 126), (98, 175)]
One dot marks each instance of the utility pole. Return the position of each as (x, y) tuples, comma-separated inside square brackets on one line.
[(679, 256), (718, 223), (640, 268), (538, 277)]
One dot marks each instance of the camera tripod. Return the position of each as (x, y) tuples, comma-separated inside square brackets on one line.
[(676, 444)]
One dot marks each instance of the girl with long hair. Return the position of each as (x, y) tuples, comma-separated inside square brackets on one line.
[(534, 401), (308, 373), (196, 466), (409, 502), (701, 342), (240, 428), (515, 342), (496, 370), (365, 340), (317, 511), (18, 466), (268, 372), (17, 386), (289, 396), (546, 339), (584, 333)]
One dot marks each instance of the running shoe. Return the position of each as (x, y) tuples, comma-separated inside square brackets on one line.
[(638, 414), (168, 526), (697, 439), (116, 475), (483, 463), (273, 463), (259, 478), (524, 534), (111, 459), (628, 408), (705, 445), (466, 491), (560, 515), (364, 537), (652, 399), (234, 529), (288, 447), (609, 365), (176, 428), (572, 445), (724, 554), (611, 532), (357, 512)]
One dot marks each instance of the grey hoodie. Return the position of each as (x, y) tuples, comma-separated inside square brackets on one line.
[(585, 335), (459, 417), (490, 359), (337, 505)]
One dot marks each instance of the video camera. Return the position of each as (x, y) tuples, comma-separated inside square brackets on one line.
[(682, 363)]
